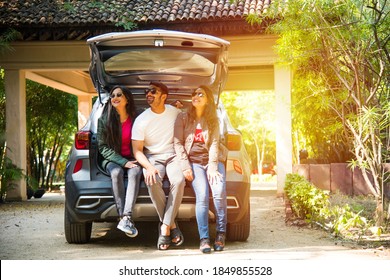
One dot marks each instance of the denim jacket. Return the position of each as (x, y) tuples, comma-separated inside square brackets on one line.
[(184, 135)]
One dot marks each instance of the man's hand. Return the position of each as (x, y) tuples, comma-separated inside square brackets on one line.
[(151, 171), (150, 177)]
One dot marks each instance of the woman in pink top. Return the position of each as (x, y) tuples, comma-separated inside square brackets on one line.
[(114, 142)]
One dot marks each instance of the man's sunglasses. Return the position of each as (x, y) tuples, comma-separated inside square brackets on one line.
[(151, 90), (200, 94), (112, 96)]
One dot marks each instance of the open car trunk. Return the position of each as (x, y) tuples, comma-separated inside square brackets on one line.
[(182, 61)]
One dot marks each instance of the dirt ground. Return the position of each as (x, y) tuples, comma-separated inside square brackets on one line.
[(33, 230)]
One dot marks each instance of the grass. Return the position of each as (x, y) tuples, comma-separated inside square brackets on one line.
[(363, 204), (263, 178)]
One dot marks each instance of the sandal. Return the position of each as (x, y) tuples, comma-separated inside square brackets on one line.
[(176, 233), (163, 239)]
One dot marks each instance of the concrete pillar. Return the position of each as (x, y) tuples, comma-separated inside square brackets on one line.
[(84, 109), (284, 147), (15, 90)]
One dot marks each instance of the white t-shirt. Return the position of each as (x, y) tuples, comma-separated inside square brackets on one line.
[(156, 130)]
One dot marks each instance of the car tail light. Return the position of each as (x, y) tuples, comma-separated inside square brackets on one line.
[(233, 142), (82, 139), (78, 166), (237, 166)]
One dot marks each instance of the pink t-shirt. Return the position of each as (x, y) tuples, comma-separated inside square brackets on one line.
[(126, 138)]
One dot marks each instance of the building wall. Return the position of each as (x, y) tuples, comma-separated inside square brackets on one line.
[(337, 177)]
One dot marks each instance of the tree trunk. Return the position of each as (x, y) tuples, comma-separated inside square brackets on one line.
[(379, 213)]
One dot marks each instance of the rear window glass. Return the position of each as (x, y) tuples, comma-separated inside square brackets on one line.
[(122, 62)]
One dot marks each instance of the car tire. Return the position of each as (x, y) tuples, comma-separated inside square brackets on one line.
[(239, 231), (78, 233)]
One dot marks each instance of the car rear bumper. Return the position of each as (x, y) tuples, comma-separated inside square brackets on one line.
[(92, 201), (238, 200)]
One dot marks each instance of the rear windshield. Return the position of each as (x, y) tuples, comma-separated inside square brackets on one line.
[(133, 61)]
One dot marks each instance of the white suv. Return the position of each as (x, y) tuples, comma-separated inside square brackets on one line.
[(182, 61)]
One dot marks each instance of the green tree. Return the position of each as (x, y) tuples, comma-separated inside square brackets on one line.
[(323, 136), (51, 124), (6, 38), (339, 51), (253, 114)]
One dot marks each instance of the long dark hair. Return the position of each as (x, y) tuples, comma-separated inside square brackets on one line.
[(209, 113), (113, 123)]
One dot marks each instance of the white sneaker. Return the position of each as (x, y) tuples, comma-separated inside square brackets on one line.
[(127, 226)]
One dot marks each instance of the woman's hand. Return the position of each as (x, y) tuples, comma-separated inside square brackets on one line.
[(131, 164), (188, 174), (214, 177)]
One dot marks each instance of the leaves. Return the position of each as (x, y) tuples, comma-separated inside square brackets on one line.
[(339, 53), (253, 114), (310, 203), (49, 130), (6, 38), (9, 172), (307, 201)]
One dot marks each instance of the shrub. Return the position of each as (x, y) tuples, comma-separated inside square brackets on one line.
[(344, 222), (307, 201), (9, 172), (314, 205)]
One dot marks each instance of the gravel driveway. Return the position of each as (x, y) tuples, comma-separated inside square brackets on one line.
[(33, 230)]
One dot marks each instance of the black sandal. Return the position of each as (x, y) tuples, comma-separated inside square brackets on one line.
[(176, 233), (163, 239)]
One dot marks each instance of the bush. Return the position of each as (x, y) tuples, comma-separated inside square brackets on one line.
[(307, 201), (335, 213), (344, 222), (9, 173), (363, 204)]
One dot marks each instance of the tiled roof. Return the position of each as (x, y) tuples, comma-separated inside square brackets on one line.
[(22, 14)]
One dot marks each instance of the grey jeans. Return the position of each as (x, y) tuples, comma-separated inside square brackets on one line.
[(124, 197), (167, 206)]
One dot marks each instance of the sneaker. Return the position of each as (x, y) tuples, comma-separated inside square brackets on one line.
[(219, 243), (127, 226), (205, 245)]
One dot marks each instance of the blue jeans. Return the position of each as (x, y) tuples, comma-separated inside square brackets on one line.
[(202, 187), (125, 197)]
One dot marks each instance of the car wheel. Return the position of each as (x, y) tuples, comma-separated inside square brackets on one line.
[(239, 231), (77, 232)]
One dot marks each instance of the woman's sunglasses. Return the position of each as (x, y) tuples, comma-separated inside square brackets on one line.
[(151, 90), (200, 94), (112, 96)]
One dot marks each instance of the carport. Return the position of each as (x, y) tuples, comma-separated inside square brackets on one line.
[(63, 64)]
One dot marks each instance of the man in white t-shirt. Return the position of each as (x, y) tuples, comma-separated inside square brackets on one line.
[(152, 138)]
